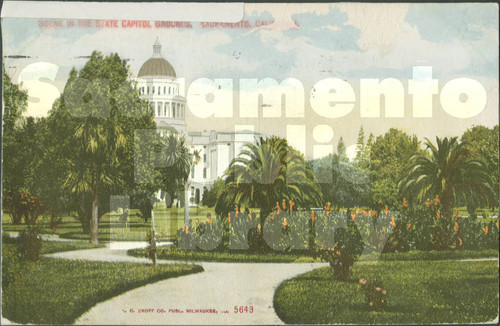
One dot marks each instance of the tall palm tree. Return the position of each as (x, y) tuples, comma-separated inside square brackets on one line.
[(96, 167), (447, 170), (177, 162), (266, 173)]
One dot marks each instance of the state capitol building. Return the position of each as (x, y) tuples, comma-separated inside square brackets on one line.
[(157, 83)]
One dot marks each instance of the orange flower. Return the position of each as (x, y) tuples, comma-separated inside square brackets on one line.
[(283, 204), (456, 214), (278, 207), (285, 224), (186, 229), (409, 226), (438, 214), (373, 213), (456, 227), (393, 223), (405, 203), (312, 216), (250, 216), (209, 221), (258, 228), (353, 216), (497, 224), (327, 209), (291, 203), (428, 202), (386, 210), (485, 230), (338, 253), (436, 200), (228, 218), (197, 222), (237, 210)]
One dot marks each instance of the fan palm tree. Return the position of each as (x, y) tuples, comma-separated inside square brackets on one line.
[(97, 163), (266, 173), (447, 170), (177, 161)]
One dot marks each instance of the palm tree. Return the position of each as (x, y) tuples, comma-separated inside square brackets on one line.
[(177, 161), (96, 166), (448, 170), (266, 173)]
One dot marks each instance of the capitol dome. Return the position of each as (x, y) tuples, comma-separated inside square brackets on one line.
[(157, 66)]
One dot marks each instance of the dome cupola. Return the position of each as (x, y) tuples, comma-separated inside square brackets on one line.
[(157, 66)]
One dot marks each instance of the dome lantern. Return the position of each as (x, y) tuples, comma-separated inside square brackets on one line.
[(157, 49)]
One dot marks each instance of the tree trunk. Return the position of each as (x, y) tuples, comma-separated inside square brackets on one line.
[(186, 203), (447, 203), (94, 235)]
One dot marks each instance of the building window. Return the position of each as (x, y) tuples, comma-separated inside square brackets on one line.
[(153, 89), (204, 158), (160, 104), (204, 173), (164, 89), (192, 173), (169, 89), (159, 90), (148, 89), (173, 110)]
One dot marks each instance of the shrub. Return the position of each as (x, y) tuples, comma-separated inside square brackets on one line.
[(348, 244), (55, 222), (340, 261), (151, 248), (30, 244), (20, 203), (376, 296)]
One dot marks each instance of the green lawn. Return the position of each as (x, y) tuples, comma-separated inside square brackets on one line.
[(168, 221), (58, 291), (236, 256), (419, 291), (242, 256)]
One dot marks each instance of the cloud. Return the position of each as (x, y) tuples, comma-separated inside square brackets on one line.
[(446, 22), (379, 24), (327, 31)]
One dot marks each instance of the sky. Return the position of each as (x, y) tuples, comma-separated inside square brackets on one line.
[(349, 42)]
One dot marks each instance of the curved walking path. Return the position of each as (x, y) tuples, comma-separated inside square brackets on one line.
[(220, 288)]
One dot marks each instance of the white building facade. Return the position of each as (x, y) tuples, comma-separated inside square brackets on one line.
[(157, 83)]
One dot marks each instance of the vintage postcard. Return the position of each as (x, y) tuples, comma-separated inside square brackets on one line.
[(235, 163)]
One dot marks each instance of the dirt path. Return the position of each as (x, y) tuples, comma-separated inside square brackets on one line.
[(220, 288)]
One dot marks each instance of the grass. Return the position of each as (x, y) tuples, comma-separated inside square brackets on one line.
[(241, 256), (49, 247), (419, 291), (235, 256), (167, 220), (57, 291)]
